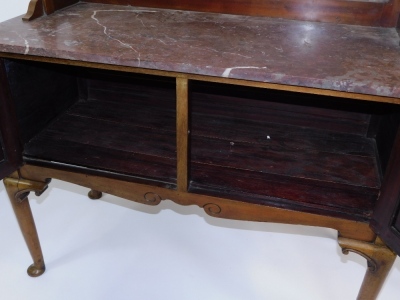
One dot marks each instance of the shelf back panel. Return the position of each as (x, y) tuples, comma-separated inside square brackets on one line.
[(368, 13)]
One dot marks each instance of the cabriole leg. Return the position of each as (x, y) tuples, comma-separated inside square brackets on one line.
[(380, 260), (18, 190)]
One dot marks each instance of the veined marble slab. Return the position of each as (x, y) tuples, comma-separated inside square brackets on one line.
[(319, 55)]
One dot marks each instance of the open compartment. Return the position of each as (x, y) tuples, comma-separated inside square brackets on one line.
[(311, 153), (102, 122)]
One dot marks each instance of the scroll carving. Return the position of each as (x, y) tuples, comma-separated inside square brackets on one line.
[(152, 198), (23, 187), (380, 259), (212, 209), (371, 263)]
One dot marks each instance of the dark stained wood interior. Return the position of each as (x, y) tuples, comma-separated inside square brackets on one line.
[(386, 129), (121, 124), (310, 153), (1, 150), (10, 147), (397, 224), (267, 148), (40, 93), (386, 218)]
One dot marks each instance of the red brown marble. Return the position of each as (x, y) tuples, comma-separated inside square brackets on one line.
[(319, 55)]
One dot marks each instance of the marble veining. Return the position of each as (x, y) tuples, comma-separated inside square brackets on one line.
[(25, 41), (136, 12), (228, 71), (320, 55)]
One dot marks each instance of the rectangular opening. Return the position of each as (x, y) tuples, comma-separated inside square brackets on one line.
[(304, 152), (309, 153), (103, 122)]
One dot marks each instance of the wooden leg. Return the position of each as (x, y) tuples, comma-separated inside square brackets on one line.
[(380, 260), (94, 195), (18, 190)]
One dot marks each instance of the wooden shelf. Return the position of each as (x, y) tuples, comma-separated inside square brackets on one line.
[(124, 128), (272, 150)]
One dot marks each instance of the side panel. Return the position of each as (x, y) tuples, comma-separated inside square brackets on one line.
[(10, 148), (40, 92), (386, 217)]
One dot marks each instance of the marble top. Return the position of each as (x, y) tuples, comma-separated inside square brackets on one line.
[(320, 55)]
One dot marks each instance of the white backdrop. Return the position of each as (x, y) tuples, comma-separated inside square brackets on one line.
[(116, 249)]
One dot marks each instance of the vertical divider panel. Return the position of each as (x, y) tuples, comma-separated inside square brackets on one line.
[(182, 132)]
